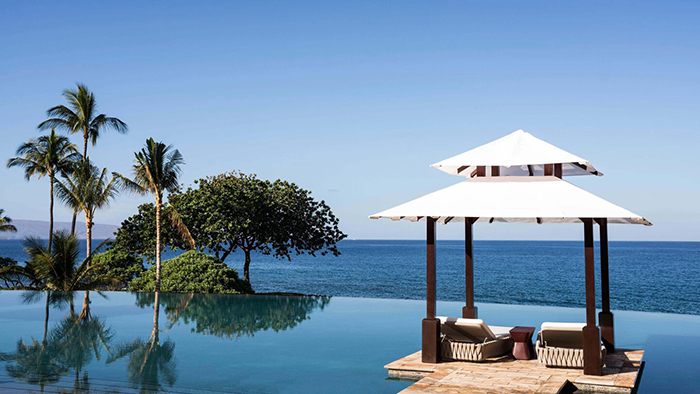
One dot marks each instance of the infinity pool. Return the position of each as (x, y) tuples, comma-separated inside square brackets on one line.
[(269, 344)]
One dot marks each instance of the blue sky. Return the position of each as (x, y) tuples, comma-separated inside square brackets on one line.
[(354, 100)]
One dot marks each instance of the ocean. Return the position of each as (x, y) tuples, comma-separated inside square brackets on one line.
[(644, 276)]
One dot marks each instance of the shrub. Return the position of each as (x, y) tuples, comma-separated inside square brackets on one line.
[(119, 264), (193, 272)]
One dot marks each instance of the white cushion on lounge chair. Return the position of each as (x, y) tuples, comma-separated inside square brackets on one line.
[(500, 331), (468, 330), (567, 335)]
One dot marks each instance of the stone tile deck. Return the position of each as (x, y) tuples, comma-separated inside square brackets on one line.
[(507, 375)]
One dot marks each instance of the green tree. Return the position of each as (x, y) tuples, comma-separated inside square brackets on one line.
[(6, 223), (48, 155), (238, 211), (156, 170), (87, 189), (58, 269), (193, 272), (119, 264), (137, 233), (8, 265), (80, 116)]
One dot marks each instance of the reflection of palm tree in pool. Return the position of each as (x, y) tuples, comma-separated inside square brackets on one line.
[(37, 362), (150, 362), (79, 342), (235, 316), (72, 344)]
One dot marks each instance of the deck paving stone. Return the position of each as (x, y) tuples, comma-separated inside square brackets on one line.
[(507, 375)]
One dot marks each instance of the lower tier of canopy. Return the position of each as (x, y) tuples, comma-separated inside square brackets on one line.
[(542, 199)]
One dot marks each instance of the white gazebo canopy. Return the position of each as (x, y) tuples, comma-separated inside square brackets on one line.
[(517, 154), (541, 199)]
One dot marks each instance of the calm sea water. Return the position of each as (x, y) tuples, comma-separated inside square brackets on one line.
[(644, 276)]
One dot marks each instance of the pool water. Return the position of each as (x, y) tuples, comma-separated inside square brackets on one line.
[(269, 344)]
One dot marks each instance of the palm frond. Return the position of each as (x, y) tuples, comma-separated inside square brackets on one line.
[(180, 226), (128, 185)]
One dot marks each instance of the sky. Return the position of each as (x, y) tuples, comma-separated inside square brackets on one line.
[(354, 100)]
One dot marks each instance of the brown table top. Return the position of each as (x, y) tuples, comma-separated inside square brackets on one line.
[(522, 329)]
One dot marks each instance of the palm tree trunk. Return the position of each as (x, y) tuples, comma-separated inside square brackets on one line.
[(158, 207), (88, 233), (46, 317), (85, 141), (85, 312), (72, 225), (156, 313), (51, 215), (75, 213)]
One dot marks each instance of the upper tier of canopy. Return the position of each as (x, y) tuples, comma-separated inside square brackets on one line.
[(544, 199), (513, 154)]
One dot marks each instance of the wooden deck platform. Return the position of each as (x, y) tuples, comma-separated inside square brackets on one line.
[(507, 375)]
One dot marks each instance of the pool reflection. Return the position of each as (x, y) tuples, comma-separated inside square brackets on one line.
[(79, 340), (232, 317)]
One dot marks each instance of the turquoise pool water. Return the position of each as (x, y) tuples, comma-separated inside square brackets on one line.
[(271, 344)]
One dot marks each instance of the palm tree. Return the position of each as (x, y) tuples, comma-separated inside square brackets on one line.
[(86, 189), (80, 116), (58, 269), (156, 170), (48, 155), (5, 221)]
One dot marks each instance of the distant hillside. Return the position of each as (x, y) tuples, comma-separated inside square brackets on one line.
[(40, 228)]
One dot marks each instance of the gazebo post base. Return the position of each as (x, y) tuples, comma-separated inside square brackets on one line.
[(470, 312), (591, 351), (431, 341), (607, 331)]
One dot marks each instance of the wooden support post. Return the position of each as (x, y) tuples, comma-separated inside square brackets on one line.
[(557, 170), (495, 171), (431, 326), (548, 169), (480, 171), (591, 334), (469, 311), (605, 317)]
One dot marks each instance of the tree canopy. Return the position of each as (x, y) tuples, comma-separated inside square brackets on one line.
[(237, 211), (193, 272), (137, 233)]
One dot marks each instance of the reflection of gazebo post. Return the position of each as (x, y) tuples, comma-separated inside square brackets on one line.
[(431, 326), (605, 317)]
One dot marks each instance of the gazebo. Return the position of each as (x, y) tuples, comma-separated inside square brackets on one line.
[(518, 179)]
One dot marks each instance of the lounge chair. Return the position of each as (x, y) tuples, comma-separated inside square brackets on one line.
[(472, 339), (561, 345)]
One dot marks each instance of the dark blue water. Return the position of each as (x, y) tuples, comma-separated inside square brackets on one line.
[(644, 276)]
